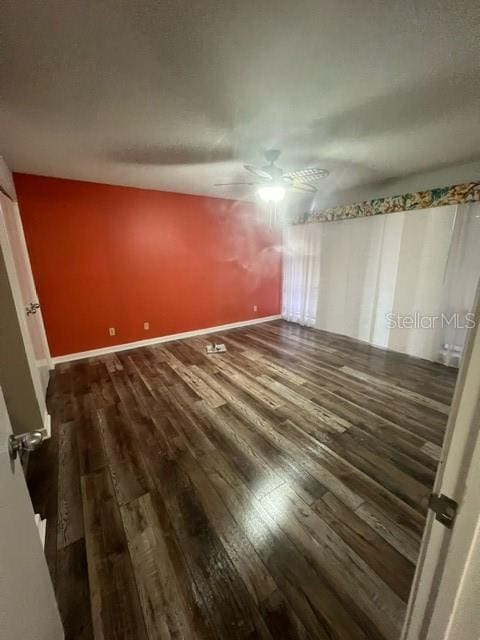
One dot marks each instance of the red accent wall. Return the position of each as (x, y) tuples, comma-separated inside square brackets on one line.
[(106, 256)]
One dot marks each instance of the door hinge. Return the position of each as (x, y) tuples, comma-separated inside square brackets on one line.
[(32, 308), (445, 509)]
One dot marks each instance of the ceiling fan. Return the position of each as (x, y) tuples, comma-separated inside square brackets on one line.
[(273, 183)]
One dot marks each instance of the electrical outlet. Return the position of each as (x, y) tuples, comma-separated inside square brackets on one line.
[(255, 308), (146, 326), (111, 331)]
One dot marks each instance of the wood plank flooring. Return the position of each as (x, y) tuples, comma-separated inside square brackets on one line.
[(275, 491)]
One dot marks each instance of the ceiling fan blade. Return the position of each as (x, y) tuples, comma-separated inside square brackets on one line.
[(260, 173), (303, 186), (226, 184), (310, 173)]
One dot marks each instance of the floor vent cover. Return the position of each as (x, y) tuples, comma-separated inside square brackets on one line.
[(216, 348)]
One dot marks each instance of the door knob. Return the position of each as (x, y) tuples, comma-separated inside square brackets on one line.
[(28, 441)]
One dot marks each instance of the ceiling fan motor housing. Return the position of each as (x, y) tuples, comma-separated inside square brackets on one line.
[(272, 154)]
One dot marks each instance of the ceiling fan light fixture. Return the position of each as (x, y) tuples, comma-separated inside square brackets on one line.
[(271, 193)]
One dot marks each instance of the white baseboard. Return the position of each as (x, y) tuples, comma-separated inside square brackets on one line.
[(151, 341), (45, 362)]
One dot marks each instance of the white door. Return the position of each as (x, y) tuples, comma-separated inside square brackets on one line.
[(28, 610), (15, 253), (446, 591)]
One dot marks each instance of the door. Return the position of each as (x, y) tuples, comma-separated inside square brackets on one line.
[(28, 610), (446, 590), (20, 276)]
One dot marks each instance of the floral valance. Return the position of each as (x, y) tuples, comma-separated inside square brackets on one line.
[(456, 194)]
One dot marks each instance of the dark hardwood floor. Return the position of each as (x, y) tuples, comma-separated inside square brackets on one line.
[(275, 491)]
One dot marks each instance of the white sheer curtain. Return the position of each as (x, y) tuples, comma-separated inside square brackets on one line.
[(422, 259), (384, 279), (301, 272), (358, 269), (460, 283), (377, 271)]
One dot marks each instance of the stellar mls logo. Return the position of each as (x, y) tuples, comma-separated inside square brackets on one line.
[(418, 320)]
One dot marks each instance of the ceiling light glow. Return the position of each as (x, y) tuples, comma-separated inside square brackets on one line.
[(271, 193)]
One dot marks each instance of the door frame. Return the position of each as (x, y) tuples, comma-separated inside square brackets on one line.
[(19, 306), (440, 590), (31, 281)]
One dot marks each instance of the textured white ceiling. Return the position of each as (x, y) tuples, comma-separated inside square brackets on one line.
[(178, 95)]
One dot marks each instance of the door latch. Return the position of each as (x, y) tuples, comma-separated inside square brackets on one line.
[(444, 508), (28, 441)]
